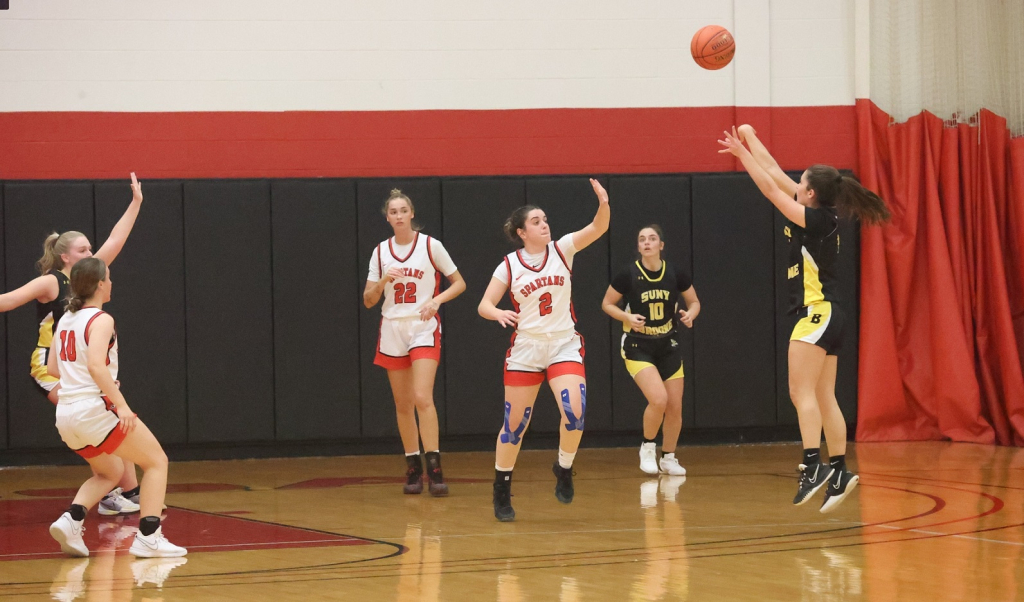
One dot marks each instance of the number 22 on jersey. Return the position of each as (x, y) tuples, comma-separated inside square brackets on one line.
[(405, 292)]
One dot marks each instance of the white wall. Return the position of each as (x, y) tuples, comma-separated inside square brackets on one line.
[(269, 55)]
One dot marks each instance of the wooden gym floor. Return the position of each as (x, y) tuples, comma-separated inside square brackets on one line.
[(930, 521)]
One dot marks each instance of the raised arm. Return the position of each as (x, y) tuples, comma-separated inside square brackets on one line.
[(119, 235), (581, 239), (610, 305), (41, 288), (793, 210), (766, 160), (488, 308)]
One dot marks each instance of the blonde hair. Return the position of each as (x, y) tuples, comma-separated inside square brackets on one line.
[(54, 246), (398, 194)]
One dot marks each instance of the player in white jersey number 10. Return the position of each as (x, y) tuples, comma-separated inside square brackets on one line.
[(538, 278)]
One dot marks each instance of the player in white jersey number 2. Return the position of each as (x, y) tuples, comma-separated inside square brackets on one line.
[(406, 270), (94, 419), (538, 277)]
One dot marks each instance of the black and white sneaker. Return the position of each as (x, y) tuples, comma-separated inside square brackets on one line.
[(839, 486), (564, 490), (812, 478), (503, 510)]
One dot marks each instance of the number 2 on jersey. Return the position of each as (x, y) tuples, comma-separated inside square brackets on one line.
[(545, 304), (405, 292), (68, 353)]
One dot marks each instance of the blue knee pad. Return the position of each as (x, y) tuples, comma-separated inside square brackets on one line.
[(510, 436), (575, 424)]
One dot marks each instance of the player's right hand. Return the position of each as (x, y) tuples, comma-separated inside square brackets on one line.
[(395, 273), (507, 318), (136, 189), (636, 322)]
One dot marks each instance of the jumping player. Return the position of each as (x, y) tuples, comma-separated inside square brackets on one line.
[(406, 270), (94, 419), (651, 287), (538, 277), (813, 207)]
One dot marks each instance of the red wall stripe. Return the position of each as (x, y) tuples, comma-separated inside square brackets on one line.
[(52, 145)]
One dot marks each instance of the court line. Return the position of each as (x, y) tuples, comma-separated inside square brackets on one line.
[(985, 539)]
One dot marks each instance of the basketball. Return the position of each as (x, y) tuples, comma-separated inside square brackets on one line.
[(712, 47)]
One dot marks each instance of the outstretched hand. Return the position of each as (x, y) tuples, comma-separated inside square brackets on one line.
[(732, 143), (136, 189), (602, 194)]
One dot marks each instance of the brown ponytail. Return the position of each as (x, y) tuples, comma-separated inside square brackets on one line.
[(398, 194), (846, 194), (54, 246), (517, 222), (85, 277)]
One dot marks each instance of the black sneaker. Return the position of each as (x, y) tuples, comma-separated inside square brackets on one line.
[(503, 503), (563, 487), (812, 478), (413, 476), (438, 488), (839, 486)]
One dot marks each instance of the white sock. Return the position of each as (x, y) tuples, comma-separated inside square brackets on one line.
[(502, 468), (415, 453), (565, 458), (669, 455)]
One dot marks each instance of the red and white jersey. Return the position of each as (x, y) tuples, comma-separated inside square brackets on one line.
[(422, 262), (72, 338), (541, 288)]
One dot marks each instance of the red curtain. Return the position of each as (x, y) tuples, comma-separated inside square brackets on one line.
[(942, 285)]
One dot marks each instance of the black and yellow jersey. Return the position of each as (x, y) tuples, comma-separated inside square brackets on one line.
[(813, 258), (50, 313), (652, 295)]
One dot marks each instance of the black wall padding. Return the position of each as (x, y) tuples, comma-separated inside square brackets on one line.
[(31, 211), (733, 261), (378, 406), (229, 315), (316, 301), (570, 204), (637, 202), (148, 303), (475, 210), (3, 337)]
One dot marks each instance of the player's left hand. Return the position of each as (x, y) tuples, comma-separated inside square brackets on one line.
[(429, 309), (136, 189), (686, 318), (602, 194)]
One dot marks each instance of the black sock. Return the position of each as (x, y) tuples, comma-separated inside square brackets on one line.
[(414, 463), (812, 456), (646, 440), (77, 512), (838, 462), (502, 477), (148, 525), (433, 460), (131, 492)]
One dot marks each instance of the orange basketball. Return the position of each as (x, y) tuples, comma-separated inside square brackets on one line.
[(712, 47)]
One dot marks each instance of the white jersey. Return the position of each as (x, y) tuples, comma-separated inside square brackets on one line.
[(72, 337), (422, 263), (541, 288)]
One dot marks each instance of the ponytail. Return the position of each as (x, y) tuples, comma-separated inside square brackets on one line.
[(54, 246), (846, 194)]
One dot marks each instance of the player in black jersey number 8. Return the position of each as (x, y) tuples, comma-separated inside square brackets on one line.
[(812, 207)]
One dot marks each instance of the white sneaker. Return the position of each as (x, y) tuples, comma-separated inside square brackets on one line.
[(155, 546), (649, 458), (114, 503), (155, 570), (68, 533), (670, 466)]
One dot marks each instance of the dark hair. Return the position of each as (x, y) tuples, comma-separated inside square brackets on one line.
[(517, 222), (657, 230), (398, 194), (846, 194), (85, 276), (54, 246)]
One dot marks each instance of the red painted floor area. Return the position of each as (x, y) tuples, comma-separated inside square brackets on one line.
[(24, 532)]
